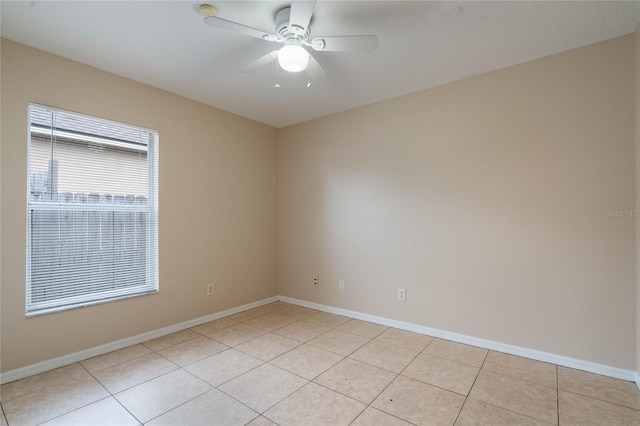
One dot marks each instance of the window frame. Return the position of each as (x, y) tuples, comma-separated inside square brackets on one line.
[(151, 273)]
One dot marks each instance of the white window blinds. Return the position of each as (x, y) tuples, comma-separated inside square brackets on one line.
[(92, 206)]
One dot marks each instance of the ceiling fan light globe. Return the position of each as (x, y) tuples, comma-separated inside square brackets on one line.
[(293, 58)]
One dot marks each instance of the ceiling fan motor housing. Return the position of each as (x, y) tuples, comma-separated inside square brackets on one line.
[(293, 34)]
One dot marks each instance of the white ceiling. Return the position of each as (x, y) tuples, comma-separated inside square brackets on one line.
[(423, 44)]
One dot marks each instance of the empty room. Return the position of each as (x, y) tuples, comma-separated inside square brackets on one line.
[(319, 213)]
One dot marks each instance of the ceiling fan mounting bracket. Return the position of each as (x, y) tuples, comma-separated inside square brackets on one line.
[(207, 10)]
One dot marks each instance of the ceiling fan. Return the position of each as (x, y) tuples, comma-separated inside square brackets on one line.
[(292, 28)]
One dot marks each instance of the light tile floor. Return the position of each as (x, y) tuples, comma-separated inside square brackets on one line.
[(282, 364)]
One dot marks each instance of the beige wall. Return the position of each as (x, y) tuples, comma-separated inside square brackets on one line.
[(484, 198), (637, 118), (218, 206), (1, 203)]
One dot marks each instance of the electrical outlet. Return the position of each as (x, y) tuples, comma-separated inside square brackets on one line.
[(402, 294), (316, 282), (209, 289), (341, 284)]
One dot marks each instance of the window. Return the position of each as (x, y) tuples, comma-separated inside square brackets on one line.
[(92, 206)]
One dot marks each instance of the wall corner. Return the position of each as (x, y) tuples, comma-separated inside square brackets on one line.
[(637, 157)]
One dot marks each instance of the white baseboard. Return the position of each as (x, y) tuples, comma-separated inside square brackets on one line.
[(40, 367), (592, 367), (564, 361)]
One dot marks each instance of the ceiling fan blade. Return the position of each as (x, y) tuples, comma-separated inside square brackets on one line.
[(363, 43), (260, 62), (223, 24), (300, 14), (315, 71)]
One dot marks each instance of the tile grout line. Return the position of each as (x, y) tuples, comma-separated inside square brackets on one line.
[(204, 393), (113, 365), (148, 380), (188, 372), (4, 414), (400, 373), (466, 398), (557, 396), (233, 378), (204, 381), (284, 397), (76, 409), (511, 411), (264, 363), (333, 329), (390, 382), (227, 381), (452, 360), (506, 375), (479, 370), (331, 390), (166, 347), (519, 378), (448, 390), (237, 400), (110, 395), (601, 400), (507, 409), (290, 372)]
